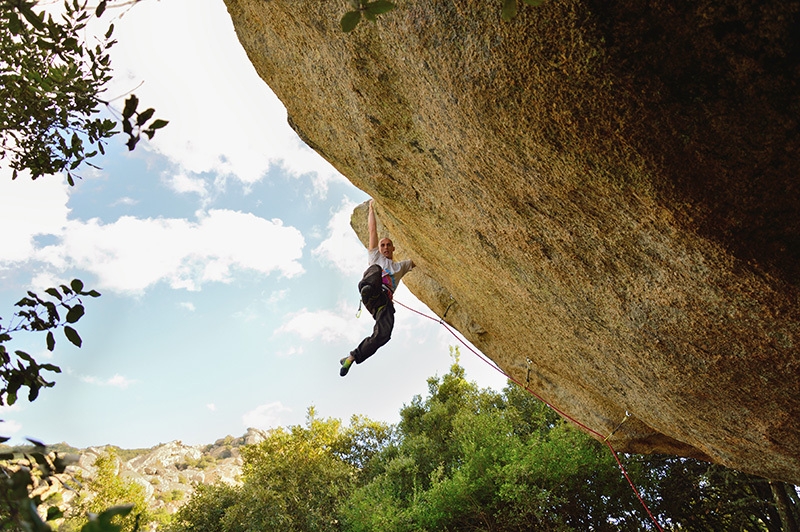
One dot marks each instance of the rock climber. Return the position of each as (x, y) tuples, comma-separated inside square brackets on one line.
[(377, 287)]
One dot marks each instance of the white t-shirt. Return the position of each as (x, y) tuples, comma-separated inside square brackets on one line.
[(392, 270)]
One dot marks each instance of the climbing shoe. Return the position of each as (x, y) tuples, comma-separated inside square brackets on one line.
[(346, 363)]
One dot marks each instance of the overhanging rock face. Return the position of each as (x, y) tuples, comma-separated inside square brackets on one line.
[(606, 190)]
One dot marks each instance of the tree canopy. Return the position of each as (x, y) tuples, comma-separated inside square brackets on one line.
[(465, 458), (52, 89)]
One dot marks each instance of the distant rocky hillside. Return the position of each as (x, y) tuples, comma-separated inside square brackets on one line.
[(169, 472)]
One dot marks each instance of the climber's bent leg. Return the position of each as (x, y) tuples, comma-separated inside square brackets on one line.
[(381, 333)]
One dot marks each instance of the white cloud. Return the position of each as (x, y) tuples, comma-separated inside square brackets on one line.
[(125, 201), (277, 296), (187, 305), (9, 427), (29, 209), (132, 254), (212, 407), (223, 117), (323, 325), (291, 352), (342, 247), (265, 416), (184, 184), (117, 381)]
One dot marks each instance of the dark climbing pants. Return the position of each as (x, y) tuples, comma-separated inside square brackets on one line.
[(381, 333)]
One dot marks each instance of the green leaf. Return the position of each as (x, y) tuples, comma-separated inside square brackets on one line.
[(132, 140), (110, 31), (25, 302), (92, 293), (350, 20), (54, 512), (101, 7), (33, 393), (4, 439), (509, 10), (71, 43), (31, 17), (72, 335), (130, 106), (158, 124), (14, 23), (63, 460), (54, 292), (76, 285), (37, 443), (379, 7), (51, 341), (144, 116), (105, 517), (11, 398), (75, 313), (24, 356)]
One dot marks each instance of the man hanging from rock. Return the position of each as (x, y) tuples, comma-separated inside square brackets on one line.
[(377, 286)]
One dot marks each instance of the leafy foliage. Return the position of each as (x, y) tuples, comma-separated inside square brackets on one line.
[(124, 499), (24, 472), (51, 87), (25, 476), (464, 458), (366, 9), (19, 472), (206, 509), (293, 479), (18, 369)]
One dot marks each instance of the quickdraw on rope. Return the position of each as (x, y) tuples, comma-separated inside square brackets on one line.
[(526, 387), (627, 415)]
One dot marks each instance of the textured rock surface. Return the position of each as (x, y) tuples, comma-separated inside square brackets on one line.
[(606, 190)]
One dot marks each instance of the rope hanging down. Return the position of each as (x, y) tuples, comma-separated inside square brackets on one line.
[(525, 387)]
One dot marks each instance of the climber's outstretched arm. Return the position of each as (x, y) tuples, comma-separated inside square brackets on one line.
[(373, 227)]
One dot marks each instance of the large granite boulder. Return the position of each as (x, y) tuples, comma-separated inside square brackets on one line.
[(604, 195)]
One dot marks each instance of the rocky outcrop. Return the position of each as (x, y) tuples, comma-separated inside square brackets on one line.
[(170, 472), (604, 195)]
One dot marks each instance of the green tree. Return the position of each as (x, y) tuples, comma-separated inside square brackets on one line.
[(108, 489), (472, 459), (708, 497), (293, 480), (51, 90), (464, 458), (205, 510)]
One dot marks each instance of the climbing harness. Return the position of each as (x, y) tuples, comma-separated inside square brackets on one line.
[(526, 387)]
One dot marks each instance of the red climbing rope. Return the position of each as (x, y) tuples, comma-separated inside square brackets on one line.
[(604, 439)]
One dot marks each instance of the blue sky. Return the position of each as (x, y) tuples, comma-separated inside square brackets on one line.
[(224, 255)]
